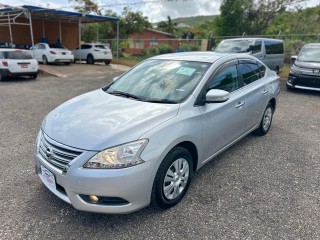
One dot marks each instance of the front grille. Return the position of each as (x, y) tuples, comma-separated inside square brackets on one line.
[(308, 82), (58, 156)]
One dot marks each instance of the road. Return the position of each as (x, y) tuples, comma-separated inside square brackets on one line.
[(261, 188)]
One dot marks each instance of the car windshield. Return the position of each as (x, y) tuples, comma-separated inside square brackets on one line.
[(101, 46), (161, 81), (15, 55), (56, 46), (310, 54), (234, 46)]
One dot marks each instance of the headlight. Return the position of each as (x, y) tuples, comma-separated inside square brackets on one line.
[(295, 69), (122, 156)]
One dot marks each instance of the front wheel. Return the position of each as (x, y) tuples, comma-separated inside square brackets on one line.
[(265, 121), (173, 178), (90, 59)]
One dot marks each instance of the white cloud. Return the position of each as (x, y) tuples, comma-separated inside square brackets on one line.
[(159, 11)]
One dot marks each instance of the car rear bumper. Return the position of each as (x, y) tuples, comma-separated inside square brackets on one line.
[(7, 73), (61, 58)]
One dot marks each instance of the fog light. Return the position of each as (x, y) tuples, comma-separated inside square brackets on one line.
[(94, 198)]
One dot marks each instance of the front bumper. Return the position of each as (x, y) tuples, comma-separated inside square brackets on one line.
[(132, 185), (301, 81)]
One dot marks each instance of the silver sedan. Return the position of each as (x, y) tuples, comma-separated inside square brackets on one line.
[(141, 138)]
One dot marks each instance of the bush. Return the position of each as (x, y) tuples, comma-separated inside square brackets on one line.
[(152, 51), (164, 48)]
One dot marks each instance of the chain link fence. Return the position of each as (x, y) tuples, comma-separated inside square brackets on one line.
[(151, 47)]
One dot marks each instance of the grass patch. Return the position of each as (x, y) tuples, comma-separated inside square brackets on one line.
[(285, 71)]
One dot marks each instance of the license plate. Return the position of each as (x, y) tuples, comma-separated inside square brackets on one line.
[(63, 53), (24, 66), (48, 177)]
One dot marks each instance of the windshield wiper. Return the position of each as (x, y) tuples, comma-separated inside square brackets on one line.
[(127, 95), (161, 101)]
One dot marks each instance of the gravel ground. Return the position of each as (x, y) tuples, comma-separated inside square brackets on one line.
[(261, 188)]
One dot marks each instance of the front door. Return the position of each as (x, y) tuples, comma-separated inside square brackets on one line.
[(224, 122)]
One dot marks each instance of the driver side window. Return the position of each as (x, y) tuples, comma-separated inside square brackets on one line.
[(226, 80)]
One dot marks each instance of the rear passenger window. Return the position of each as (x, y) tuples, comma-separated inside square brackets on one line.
[(250, 72), (274, 47), (262, 69), (227, 80)]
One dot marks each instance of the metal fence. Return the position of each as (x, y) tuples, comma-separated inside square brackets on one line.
[(151, 47)]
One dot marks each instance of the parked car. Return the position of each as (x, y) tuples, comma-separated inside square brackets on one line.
[(52, 53), (141, 138), (93, 52), (16, 62), (269, 51), (305, 70)]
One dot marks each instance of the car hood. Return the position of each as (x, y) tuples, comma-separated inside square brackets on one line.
[(307, 64), (97, 120)]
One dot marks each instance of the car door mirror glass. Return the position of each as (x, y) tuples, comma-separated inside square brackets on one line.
[(217, 95)]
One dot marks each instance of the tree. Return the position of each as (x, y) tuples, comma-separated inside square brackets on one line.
[(169, 27), (87, 6), (133, 22), (249, 16)]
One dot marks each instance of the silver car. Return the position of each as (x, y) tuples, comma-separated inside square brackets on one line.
[(141, 138)]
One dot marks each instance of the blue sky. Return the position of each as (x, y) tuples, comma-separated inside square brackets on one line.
[(154, 11)]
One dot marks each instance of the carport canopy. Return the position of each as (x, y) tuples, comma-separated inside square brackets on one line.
[(17, 16)]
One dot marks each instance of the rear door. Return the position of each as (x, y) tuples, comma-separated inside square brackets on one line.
[(255, 84), (223, 122)]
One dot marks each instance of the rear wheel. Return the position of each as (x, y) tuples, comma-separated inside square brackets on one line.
[(44, 60), (34, 76), (90, 59), (67, 63), (173, 178), (265, 121), (107, 62)]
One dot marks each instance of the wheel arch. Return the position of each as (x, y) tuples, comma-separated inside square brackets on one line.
[(273, 102), (191, 147)]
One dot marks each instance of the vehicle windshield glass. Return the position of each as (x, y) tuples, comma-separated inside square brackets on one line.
[(310, 54), (101, 46), (162, 81), (234, 46), (56, 46), (16, 55)]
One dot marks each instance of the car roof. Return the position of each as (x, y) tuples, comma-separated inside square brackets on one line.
[(209, 57), (271, 39), (312, 44)]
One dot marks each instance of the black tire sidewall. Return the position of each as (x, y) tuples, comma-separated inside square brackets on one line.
[(261, 124), (158, 195)]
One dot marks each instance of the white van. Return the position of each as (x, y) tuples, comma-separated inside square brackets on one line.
[(269, 51)]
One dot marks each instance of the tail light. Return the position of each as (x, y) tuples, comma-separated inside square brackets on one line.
[(53, 52), (5, 63)]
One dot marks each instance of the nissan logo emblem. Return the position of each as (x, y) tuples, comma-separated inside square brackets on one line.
[(49, 153)]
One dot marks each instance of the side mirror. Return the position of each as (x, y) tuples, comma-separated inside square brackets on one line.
[(250, 49), (293, 59), (115, 79), (217, 96)]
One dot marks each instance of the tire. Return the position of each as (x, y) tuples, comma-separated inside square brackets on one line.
[(67, 63), (44, 60), (107, 62), (172, 183), (277, 70), (34, 76), (90, 59), (1, 78), (266, 121)]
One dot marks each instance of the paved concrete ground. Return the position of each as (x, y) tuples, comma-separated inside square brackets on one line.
[(261, 188)]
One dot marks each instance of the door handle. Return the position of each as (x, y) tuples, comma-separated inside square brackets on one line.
[(240, 104), (265, 91)]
